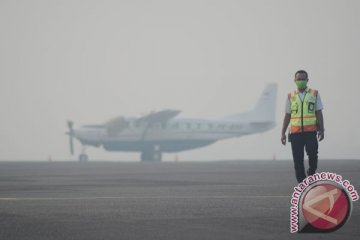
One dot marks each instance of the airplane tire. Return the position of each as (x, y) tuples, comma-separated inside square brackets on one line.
[(145, 156), (142, 157), (83, 158), (151, 156), (157, 156)]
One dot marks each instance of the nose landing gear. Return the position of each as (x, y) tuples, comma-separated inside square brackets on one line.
[(83, 157)]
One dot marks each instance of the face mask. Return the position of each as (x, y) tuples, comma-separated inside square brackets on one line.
[(301, 84)]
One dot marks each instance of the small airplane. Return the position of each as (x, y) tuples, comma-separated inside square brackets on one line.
[(162, 132)]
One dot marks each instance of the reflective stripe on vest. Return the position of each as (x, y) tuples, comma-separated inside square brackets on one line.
[(303, 117)]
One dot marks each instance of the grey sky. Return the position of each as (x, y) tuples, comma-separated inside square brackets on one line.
[(89, 61)]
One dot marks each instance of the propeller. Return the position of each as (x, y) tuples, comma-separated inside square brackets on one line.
[(71, 136)]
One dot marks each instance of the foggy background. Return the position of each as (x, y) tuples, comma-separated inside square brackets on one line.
[(89, 61)]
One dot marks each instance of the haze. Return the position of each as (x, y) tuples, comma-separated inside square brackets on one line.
[(89, 61)]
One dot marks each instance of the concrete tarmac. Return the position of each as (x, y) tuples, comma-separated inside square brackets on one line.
[(183, 200)]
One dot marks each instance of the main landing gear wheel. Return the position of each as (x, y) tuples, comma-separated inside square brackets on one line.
[(157, 156), (154, 156), (83, 157)]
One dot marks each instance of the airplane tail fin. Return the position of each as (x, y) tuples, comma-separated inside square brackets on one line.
[(265, 108)]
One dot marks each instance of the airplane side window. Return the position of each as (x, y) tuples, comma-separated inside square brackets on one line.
[(203, 126), (182, 126)]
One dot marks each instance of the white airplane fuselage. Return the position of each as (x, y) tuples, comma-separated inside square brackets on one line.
[(175, 135), (162, 131)]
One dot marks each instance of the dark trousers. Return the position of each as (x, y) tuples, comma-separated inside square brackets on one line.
[(299, 141)]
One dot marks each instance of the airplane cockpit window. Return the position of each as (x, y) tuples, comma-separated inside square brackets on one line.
[(193, 126)]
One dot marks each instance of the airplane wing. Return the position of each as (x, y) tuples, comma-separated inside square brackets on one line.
[(118, 124), (160, 116), (157, 117)]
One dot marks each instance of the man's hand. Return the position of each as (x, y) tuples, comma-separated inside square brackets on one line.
[(320, 123), (320, 135), (283, 139), (285, 125)]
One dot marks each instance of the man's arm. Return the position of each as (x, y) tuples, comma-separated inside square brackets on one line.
[(320, 123), (284, 127)]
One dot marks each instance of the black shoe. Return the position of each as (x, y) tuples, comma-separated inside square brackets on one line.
[(309, 173)]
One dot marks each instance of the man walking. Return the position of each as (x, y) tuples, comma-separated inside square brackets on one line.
[(304, 113)]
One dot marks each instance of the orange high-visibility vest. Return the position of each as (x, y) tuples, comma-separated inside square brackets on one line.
[(303, 117)]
